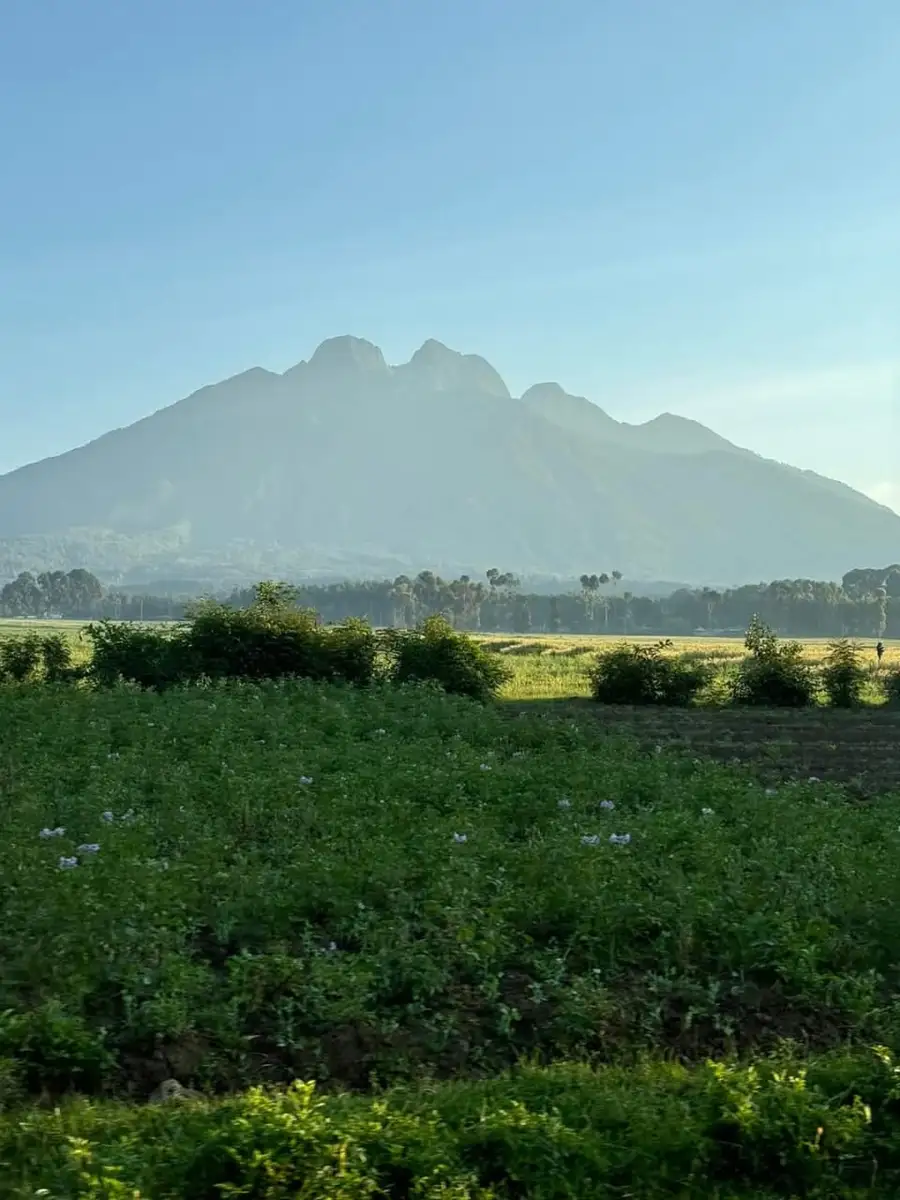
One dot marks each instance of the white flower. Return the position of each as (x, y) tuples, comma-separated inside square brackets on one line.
[(609, 805), (591, 839), (380, 732), (332, 946), (707, 812), (59, 831), (459, 838), (519, 754), (305, 779), (770, 791), (108, 816), (658, 750), (114, 754), (485, 767), (565, 802), (89, 848), (814, 779), (619, 839), (66, 864)]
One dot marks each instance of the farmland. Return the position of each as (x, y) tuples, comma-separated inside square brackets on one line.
[(860, 749), (684, 960)]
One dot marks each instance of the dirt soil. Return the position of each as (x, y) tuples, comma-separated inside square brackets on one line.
[(859, 749)]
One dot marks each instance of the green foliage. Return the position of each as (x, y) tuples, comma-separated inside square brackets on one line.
[(53, 1050), (270, 639), (892, 687), (820, 1128), (56, 655), (149, 657), (20, 657), (436, 653), (32, 657), (843, 674), (279, 889), (638, 674), (774, 673)]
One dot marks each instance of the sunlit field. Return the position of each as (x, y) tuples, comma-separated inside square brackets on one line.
[(548, 667)]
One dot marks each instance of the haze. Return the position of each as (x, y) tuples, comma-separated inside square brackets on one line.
[(691, 207)]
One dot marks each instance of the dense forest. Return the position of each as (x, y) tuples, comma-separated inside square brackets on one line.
[(866, 603)]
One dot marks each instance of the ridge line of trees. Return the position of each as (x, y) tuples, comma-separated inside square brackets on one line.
[(866, 603)]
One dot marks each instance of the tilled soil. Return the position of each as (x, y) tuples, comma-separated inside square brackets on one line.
[(859, 749)]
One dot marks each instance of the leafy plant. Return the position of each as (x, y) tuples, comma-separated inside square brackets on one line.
[(638, 674), (843, 674), (774, 673), (892, 687), (435, 652), (20, 657), (152, 658)]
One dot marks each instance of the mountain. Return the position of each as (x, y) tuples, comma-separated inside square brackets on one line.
[(346, 464)]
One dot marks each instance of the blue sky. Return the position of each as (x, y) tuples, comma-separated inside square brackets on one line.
[(691, 206)]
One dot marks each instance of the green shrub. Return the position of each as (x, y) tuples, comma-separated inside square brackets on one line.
[(54, 1051), (38, 657), (774, 673), (635, 674), (843, 675), (152, 658), (436, 652), (780, 1127), (271, 639), (892, 687), (349, 652), (268, 640), (20, 657)]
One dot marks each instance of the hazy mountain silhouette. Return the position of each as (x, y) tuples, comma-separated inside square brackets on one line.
[(345, 459)]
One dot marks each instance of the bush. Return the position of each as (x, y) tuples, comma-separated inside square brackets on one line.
[(37, 657), (436, 652), (271, 639), (892, 687), (843, 675), (634, 674), (774, 674), (152, 658), (20, 657)]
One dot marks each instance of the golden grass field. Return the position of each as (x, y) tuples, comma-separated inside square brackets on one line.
[(554, 667)]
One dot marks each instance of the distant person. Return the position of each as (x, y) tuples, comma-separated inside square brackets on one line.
[(879, 650)]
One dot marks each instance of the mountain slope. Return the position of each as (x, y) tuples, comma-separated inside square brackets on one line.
[(433, 463)]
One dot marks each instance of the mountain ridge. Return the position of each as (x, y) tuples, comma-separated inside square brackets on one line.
[(433, 460)]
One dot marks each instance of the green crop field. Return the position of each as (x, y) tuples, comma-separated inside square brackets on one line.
[(519, 951)]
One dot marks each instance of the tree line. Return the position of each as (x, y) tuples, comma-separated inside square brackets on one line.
[(866, 603)]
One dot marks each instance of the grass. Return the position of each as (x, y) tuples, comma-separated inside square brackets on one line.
[(393, 890)]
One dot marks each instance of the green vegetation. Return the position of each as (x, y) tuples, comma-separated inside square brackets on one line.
[(774, 674), (641, 674), (843, 675), (506, 953), (865, 604), (392, 886)]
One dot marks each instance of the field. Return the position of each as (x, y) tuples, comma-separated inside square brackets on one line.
[(520, 952), (859, 749)]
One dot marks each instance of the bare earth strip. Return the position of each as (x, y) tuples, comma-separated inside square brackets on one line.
[(857, 749)]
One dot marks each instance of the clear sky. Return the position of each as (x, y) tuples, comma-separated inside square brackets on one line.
[(691, 206)]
